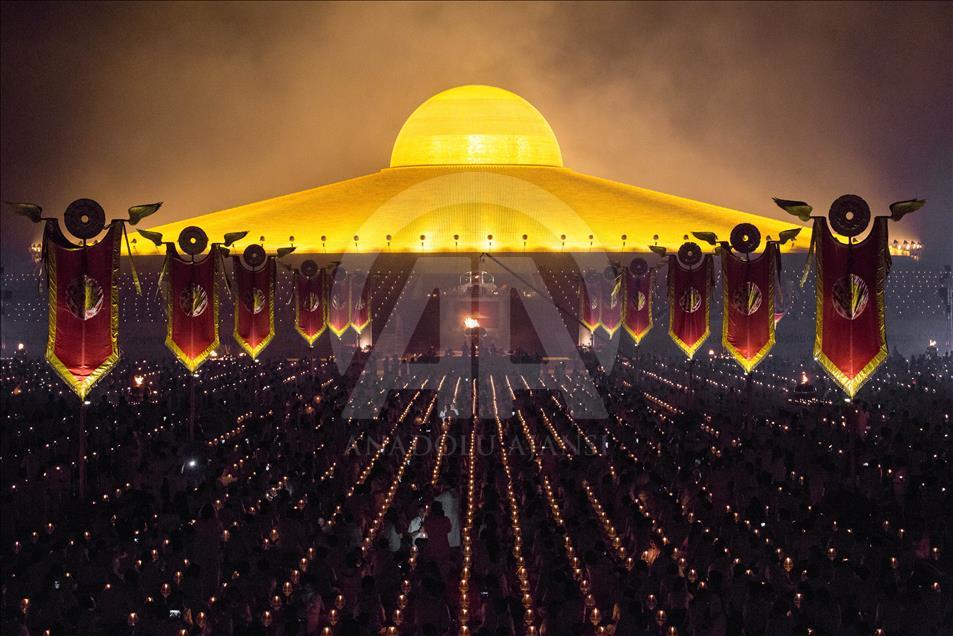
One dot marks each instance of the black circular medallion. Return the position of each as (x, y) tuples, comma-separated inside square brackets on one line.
[(639, 266), (193, 240), (254, 255), (309, 268), (84, 218), (849, 215), (745, 238), (690, 254)]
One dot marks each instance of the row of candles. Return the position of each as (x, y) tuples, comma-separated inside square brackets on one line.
[(607, 527), (117, 449), (613, 537), (248, 472), (523, 422), (798, 481), (466, 529), (757, 530), (391, 492), (442, 440), (522, 574), (36, 376), (111, 493), (275, 604), (269, 614), (579, 573), (403, 598), (334, 613), (247, 469)]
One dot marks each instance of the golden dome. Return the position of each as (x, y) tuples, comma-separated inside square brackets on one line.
[(476, 125)]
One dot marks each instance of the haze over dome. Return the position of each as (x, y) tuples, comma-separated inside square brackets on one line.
[(469, 163), (475, 124)]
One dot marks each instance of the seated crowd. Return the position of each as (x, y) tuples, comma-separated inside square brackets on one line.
[(702, 504)]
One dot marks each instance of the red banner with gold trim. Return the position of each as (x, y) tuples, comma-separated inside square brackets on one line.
[(310, 305), (339, 302), (637, 316), (850, 339), (191, 299), (83, 306), (589, 293), (255, 305), (360, 301), (610, 305), (689, 303), (748, 318)]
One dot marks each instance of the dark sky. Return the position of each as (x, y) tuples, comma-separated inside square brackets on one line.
[(206, 106)]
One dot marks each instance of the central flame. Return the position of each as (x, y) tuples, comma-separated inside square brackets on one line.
[(471, 323)]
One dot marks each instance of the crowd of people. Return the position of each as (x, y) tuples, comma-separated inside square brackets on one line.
[(705, 503)]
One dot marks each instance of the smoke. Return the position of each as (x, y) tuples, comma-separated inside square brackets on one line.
[(207, 106)]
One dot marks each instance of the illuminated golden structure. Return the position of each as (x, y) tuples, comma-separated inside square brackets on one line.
[(477, 168)]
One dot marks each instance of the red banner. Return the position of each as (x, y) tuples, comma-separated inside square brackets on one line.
[(748, 320), (191, 300), (310, 305), (689, 303), (83, 340), (637, 313), (610, 306), (850, 339), (339, 302), (589, 301), (360, 301), (255, 306)]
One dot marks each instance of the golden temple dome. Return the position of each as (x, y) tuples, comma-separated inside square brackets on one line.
[(476, 124)]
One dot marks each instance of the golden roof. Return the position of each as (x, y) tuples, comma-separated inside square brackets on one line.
[(471, 163)]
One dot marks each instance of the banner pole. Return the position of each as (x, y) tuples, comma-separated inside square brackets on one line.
[(748, 388), (691, 376), (81, 438), (82, 402), (191, 407), (748, 379), (192, 373)]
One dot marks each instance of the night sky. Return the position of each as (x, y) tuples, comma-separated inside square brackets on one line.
[(207, 106)]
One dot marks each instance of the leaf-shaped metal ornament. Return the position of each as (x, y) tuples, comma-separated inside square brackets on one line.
[(231, 237), (284, 251), (788, 235), (800, 209), (139, 212), (30, 210), (658, 249), (900, 209), (155, 237), (709, 237)]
